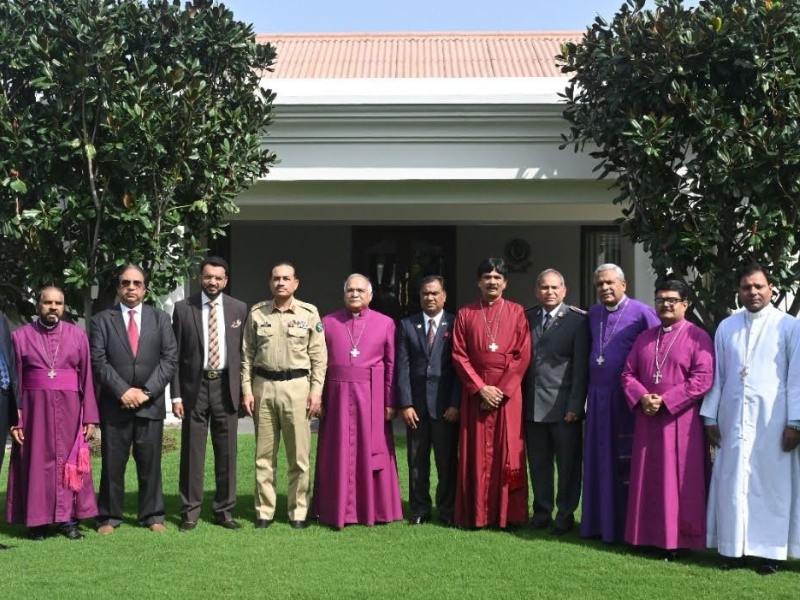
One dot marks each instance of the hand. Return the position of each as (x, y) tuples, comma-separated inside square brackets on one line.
[(713, 435), (390, 413), (452, 414), (177, 409), (571, 417), (491, 395), (248, 404), (17, 435), (409, 416), (488, 407), (791, 438), (313, 406), (650, 404), (88, 431), (133, 398)]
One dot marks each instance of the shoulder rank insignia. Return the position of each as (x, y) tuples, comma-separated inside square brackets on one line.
[(575, 309)]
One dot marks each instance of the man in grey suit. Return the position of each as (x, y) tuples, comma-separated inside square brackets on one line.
[(206, 391), (8, 388), (133, 358), (429, 394), (554, 395)]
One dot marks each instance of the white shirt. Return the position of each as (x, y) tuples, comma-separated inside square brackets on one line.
[(437, 320), (223, 355), (552, 313), (137, 316)]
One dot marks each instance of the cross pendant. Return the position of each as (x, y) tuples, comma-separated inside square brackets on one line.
[(657, 377), (51, 374), (354, 352), (743, 373), (493, 347), (600, 360)]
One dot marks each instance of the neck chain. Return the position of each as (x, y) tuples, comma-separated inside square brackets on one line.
[(492, 336), (603, 343), (660, 363), (354, 351), (50, 362), (749, 355)]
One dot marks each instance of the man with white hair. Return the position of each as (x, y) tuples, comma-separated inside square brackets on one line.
[(614, 322), (356, 473)]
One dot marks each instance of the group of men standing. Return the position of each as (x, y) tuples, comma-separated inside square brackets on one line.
[(613, 399)]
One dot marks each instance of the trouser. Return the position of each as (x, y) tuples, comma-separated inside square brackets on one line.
[(281, 407), (443, 436), (562, 442), (212, 407), (146, 437), (5, 402)]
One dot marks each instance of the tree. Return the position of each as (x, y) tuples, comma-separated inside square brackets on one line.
[(695, 112), (127, 128)]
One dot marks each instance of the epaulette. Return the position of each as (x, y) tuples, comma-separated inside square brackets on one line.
[(258, 305), (534, 307), (305, 306), (575, 309)]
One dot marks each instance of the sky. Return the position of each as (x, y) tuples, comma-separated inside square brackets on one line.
[(329, 16)]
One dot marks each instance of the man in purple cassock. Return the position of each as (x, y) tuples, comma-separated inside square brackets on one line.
[(668, 371), (50, 478), (356, 472), (615, 323)]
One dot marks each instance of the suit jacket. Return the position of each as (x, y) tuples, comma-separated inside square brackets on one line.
[(187, 324), (426, 380), (7, 350), (557, 377), (116, 369)]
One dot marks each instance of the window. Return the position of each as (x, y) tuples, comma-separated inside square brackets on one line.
[(599, 245)]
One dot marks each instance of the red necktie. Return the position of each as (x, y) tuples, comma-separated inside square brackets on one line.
[(431, 333), (133, 332)]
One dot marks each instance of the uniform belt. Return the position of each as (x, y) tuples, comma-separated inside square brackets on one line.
[(214, 374), (281, 375)]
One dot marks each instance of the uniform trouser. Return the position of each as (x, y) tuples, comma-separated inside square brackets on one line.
[(281, 407), (146, 435), (443, 436), (5, 401), (212, 407), (563, 442)]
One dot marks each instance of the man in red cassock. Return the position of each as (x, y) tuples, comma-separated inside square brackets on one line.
[(491, 352)]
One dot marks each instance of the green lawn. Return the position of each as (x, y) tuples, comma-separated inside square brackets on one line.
[(395, 560)]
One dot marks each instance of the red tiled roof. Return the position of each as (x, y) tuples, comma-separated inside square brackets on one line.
[(418, 55)]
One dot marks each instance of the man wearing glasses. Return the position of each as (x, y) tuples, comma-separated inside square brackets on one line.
[(134, 356), (668, 371)]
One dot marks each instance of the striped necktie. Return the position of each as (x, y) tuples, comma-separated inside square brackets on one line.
[(431, 333), (213, 337), (5, 377)]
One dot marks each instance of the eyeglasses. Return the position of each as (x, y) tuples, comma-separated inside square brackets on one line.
[(667, 301), (123, 283)]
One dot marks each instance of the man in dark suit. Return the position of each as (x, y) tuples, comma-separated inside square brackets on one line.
[(554, 394), (8, 388), (206, 389), (429, 394), (133, 358)]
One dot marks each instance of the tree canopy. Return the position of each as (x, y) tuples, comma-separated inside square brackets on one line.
[(695, 112), (127, 128)]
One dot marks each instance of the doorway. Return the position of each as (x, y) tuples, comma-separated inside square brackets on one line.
[(397, 258)]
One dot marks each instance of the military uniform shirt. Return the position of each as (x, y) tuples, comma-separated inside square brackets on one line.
[(284, 340)]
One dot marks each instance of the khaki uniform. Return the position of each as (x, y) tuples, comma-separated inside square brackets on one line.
[(277, 340)]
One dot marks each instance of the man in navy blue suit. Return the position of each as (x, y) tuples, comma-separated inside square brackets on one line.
[(428, 394), (8, 387)]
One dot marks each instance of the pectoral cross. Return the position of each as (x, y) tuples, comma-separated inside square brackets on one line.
[(493, 347), (51, 373), (354, 352), (743, 373), (657, 377), (600, 360)]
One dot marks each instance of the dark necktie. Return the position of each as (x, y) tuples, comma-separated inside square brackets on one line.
[(547, 318), (5, 377), (431, 333), (133, 332)]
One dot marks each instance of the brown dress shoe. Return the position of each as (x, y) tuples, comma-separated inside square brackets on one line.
[(157, 527), (105, 529)]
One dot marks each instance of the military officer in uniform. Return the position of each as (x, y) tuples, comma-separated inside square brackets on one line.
[(284, 359), (554, 394)]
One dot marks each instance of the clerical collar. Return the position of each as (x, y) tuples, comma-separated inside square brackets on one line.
[(48, 327), (615, 308), (670, 327), (763, 313), (362, 313)]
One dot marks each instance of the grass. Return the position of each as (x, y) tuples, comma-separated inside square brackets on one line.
[(388, 561)]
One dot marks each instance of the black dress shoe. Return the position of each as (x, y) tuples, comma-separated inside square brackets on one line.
[(767, 566), (36, 534), (559, 530), (298, 524), (418, 519), (188, 525), (541, 523), (71, 532), (731, 563), (229, 524), (263, 523), (447, 521)]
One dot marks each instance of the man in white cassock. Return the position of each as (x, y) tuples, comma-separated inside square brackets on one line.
[(752, 415)]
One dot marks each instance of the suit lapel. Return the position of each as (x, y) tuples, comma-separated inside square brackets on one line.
[(119, 326), (196, 305), (227, 313), (554, 323), (148, 325), (440, 331), (421, 333)]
